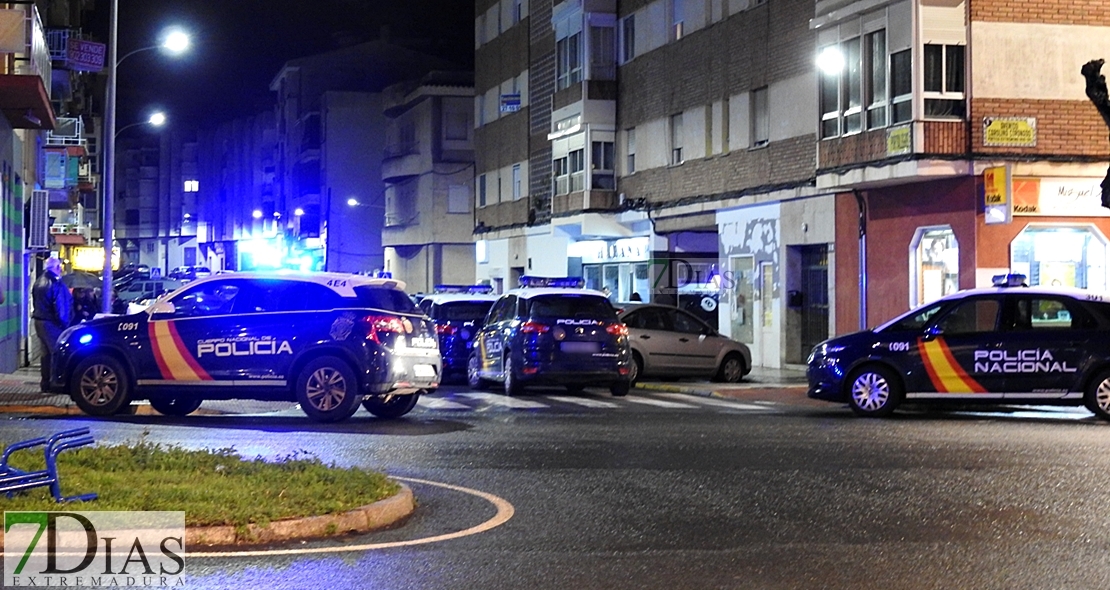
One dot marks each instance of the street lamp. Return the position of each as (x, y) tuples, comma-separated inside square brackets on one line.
[(157, 119), (174, 42)]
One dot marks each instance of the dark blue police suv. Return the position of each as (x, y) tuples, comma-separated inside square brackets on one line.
[(325, 340), (552, 331), (458, 312)]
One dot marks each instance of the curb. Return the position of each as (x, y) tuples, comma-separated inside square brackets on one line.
[(71, 409), (380, 514), (714, 393)]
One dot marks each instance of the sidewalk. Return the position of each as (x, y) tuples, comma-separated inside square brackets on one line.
[(19, 393)]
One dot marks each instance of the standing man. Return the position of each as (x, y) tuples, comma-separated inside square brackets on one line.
[(52, 314)]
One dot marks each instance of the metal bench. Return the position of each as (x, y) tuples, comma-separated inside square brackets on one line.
[(13, 480)]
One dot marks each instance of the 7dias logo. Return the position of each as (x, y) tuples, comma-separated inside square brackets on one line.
[(119, 549)]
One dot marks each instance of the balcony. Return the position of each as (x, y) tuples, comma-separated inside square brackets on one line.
[(507, 214), (25, 74), (584, 201), (401, 160)]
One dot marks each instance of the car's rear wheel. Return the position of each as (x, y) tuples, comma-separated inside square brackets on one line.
[(731, 369), (390, 406), (636, 369), (100, 386), (512, 384), (327, 390), (620, 388), (874, 391), (473, 367), (176, 405), (575, 389), (1097, 396)]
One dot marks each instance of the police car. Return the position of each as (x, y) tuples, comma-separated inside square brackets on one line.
[(1007, 344), (324, 340), (458, 312), (552, 331)]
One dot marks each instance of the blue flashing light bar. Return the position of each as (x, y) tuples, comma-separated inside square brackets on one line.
[(468, 289), (1009, 280), (557, 282)]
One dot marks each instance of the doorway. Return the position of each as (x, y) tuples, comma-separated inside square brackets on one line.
[(814, 287)]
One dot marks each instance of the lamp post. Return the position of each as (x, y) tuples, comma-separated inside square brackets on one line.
[(175, 42)]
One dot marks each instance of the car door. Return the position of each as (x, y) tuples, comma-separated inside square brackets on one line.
[(489, 342), (698, 351), (954, 342), (649, 327), (1048, 342)]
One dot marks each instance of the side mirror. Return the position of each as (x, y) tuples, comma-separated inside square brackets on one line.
[(932, 332)]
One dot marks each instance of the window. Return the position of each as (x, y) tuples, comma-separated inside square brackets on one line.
[(1061, 255), (518, 11), (829, 93), (456, 126), (457, 197), (568, 61), (971, 316), (517, 189), (936, 258), (852, 88), (677, 19), (725, 124), (480, 107), (630, 146), (577, 170), (676, 139), (559, 173), (603, 47), (874, 83), (944, 81), (482, 190), (601, 174), (901, 87), (761, 119), (1047, 313), (628, 38), (192, 186)]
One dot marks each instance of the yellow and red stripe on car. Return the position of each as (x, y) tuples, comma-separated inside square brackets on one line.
[(946, 374), (174, 360)]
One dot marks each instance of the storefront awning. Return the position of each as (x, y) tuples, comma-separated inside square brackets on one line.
[(25, 103), (69, 239)]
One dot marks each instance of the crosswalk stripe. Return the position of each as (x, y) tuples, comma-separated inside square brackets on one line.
[(440, 404), (658, 402), (710, 401), (583, 401), (503, 400)]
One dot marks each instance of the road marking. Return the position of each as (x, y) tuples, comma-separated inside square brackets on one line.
[(440, 404), (505, 511), (658, 403), (504, 400), (583, 401), (709, 401)]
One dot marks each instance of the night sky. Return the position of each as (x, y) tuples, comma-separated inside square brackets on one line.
[(239, 46)]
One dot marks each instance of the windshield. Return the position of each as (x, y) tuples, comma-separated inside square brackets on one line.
[(571, 306), (462, 310), (383, 298), (914, 320)]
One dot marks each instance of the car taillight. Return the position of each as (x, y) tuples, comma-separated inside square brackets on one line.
[(378, 325), (617, 329), (534, 328), (447, 330)]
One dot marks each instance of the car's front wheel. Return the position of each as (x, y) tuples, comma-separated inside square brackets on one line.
[(874, 391), (327, 390), (391, 406), (177, 405), (100, 386), (731, 369), (1097, 396), (473, 372)]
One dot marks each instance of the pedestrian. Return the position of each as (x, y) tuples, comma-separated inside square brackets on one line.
[(52, 313), (84, 305), (635, 297)]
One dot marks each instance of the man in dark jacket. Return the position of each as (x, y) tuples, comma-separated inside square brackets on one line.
[(52, 313)]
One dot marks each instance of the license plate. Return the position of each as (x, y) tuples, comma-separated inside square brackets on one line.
[(580, 347), (424, 370), (421, 342)]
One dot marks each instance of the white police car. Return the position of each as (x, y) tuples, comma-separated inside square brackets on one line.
[(325, 340), (1008, 344), (552, 331), (457, 311)]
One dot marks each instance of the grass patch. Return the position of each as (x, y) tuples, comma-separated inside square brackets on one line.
[(213, 487)]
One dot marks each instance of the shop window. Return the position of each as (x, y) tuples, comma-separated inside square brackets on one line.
[(935, 264), (1068, 256)]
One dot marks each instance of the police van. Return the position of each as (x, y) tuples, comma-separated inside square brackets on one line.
[(457, 311), (325, 340), (554, 332), (1008, 344)]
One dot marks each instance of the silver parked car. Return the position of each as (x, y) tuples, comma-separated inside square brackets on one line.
[(671, 342)]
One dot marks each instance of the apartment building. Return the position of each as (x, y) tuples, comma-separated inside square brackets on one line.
[(428, 170)]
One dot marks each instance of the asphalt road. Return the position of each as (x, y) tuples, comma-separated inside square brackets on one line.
[(676, 492)]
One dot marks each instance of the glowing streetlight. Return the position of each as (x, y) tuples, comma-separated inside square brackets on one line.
[(175, 41), (157, 119)]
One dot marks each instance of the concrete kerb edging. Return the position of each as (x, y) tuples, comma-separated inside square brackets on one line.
[(703, 392), (379, 515)]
